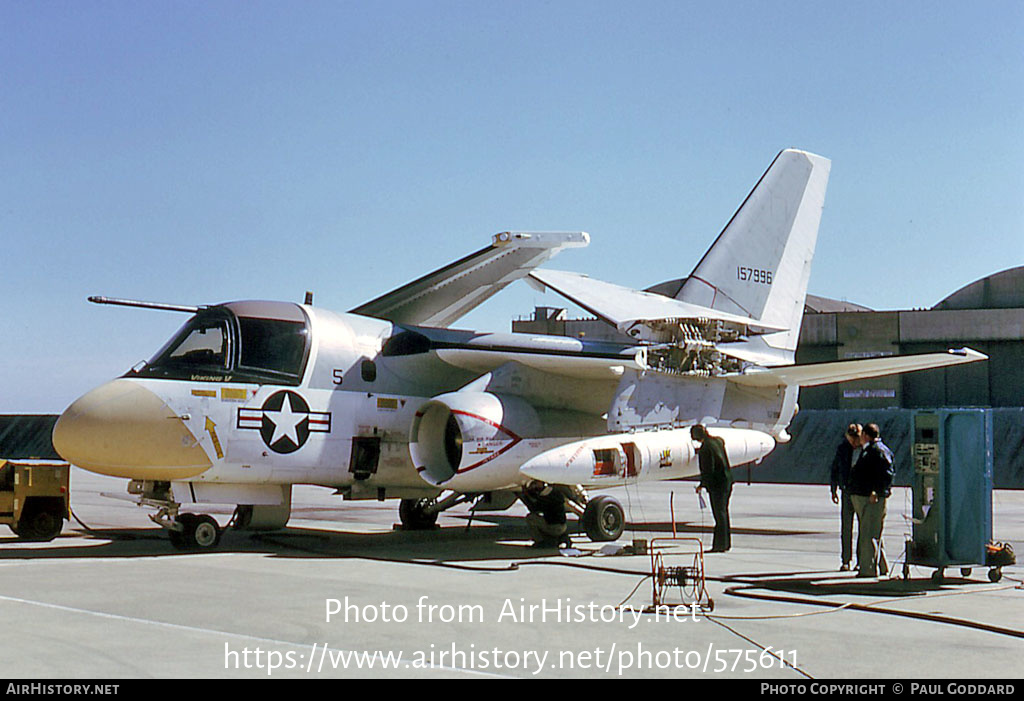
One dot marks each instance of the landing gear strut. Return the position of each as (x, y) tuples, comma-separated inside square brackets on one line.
[(421, 514), (186, 531)]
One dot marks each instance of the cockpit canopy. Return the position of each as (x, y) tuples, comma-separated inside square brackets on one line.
[(237, 342)]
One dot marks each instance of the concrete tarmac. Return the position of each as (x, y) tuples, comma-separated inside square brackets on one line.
[(473, 599)]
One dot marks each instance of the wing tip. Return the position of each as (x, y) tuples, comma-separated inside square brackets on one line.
[(541, 239), (968, 353)]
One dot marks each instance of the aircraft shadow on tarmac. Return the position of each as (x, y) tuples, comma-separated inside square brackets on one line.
[(658, 528), (507, 540), (504, 538)]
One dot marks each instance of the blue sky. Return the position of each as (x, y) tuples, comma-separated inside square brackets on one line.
[(197, 152)]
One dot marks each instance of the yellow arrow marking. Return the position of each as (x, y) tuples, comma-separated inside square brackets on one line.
[(212, 428)]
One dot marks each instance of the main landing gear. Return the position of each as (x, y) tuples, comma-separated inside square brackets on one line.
[(421, 514), (603, 519), (418, 514)]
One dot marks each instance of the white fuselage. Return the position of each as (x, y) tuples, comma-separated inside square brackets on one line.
[(349, 421)]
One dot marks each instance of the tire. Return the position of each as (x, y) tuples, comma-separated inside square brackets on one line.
[(938, 576), (966, 571), (200, 532), (39, 524), (995, 574), (413, 515), (205, 533), (179, 539), (603, 519)]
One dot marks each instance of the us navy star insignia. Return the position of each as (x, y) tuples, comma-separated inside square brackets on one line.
[(284, 421)]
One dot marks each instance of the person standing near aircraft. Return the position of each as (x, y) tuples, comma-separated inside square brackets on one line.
[(847, 453), (716, 477), (870, 486)]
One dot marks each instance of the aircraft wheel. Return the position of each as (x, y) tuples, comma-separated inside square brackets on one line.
[(179, 539), (205, 534), (604, 519), (414, 516), (200, 531)]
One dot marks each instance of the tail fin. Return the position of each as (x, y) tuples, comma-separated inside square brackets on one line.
[(760, 264)]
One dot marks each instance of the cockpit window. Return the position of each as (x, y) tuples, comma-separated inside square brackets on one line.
[(219, 346), (203, 343), (272, 344)]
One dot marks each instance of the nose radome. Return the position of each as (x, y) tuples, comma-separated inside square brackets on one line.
[(123, 429)]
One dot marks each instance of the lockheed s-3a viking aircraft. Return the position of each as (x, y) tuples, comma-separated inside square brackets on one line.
[(386, 401)]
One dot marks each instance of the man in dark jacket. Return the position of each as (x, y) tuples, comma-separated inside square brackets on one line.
[(716, 477), (869, 487), (847, 453), (547, 514)]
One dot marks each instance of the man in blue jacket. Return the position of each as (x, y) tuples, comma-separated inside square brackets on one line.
[(846, 456), (870, 486)]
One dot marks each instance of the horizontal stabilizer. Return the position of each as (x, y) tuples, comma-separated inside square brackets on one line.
[(442, 297), (625, 308), (861, 368)]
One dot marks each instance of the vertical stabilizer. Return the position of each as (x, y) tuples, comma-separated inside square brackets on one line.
[(760, 264)]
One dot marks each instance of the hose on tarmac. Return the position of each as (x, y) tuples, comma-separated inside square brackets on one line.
[(745, 590)]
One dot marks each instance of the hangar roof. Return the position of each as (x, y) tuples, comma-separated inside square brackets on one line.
[(824, 305), (1004, 290)]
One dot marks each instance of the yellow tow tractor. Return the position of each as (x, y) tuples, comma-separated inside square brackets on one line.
[(34, 497)]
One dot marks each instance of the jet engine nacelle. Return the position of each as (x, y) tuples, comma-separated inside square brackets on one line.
[(461, 438)]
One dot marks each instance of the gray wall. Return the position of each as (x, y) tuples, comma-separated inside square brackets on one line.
[(808, 457)]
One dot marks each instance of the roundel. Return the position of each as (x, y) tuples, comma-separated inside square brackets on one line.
[(285, 426)]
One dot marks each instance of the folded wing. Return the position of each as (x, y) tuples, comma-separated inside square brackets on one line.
[(449, 293)]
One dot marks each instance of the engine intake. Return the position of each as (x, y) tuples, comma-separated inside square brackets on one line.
[(459, 432)]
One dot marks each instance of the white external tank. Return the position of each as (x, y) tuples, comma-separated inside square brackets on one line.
[(614, 459)]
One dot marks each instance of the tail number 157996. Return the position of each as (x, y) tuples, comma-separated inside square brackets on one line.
[(754, 275)]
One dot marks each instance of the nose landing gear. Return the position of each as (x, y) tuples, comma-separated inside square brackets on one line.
[(186, 531), (197, 532)]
